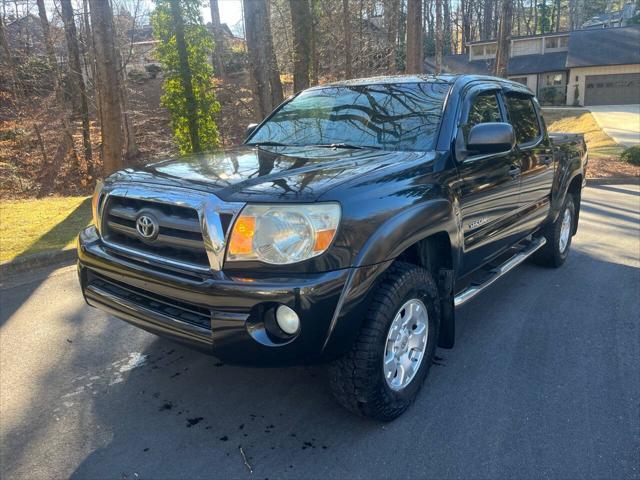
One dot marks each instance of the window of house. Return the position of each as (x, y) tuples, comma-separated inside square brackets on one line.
[(554, 43), (554, 79), (477, 50), (523, 118), (526, 47)]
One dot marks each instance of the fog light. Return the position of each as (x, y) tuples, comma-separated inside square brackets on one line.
[(287, 319)]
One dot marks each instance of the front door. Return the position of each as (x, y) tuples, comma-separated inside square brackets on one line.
[(489, 187)]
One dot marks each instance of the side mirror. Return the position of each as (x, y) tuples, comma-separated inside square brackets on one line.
[(487, 138), (249, 130)]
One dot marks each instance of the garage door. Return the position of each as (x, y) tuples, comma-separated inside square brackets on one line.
[(618, 89)]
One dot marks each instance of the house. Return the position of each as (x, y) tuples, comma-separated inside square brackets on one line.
[(581, 67), (615, 18)]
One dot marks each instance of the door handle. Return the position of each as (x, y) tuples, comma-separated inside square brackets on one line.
[(514, 172)]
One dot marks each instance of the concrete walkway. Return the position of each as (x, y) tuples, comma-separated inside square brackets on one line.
[(620, 122)]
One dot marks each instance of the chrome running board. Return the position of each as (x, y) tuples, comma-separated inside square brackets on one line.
[(494, 274)]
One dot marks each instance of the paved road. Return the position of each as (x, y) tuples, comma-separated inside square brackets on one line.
[(543, 383), (620, 122)]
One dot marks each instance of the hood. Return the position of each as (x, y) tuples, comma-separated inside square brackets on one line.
[(248, 173)]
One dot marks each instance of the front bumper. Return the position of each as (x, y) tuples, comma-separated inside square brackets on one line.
[(222, 314)]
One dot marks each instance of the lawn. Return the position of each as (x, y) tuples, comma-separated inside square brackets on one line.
[(604, 153), (33, 226)]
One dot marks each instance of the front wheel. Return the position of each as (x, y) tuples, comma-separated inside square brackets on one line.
[(384, 370), (558, 236)]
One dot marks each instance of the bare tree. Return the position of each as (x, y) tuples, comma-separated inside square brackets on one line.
[(439, 43), (218, 37), (391, 9), (414, 36), (66, 145), (301, 21), (346, 22), (108, 84), (504, 38), (77, 79)]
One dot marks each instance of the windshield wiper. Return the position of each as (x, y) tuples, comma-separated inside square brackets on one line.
[(346, 145), (268, 144)]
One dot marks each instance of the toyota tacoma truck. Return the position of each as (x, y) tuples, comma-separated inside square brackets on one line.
[(347, 229)]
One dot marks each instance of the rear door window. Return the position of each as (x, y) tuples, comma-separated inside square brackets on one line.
[(523, 117)]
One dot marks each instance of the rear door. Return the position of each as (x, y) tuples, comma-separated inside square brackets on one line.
[(534, 149), (489, 185)]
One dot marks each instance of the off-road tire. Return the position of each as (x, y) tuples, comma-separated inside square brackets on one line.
[(551, 255), (357, 378)]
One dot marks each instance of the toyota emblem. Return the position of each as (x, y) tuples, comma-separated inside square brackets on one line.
[(147, 227)]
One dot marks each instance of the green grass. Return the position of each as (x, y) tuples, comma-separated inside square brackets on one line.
[(34, 226), (599, 144)]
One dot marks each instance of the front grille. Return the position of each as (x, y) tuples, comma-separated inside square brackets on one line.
[(179, 236), (176, 309)]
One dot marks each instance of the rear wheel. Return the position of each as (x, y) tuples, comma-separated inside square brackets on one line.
[(558, 236), (384, 370)]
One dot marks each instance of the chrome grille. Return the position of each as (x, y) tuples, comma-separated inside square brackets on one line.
[(179, 237), (190, 227)]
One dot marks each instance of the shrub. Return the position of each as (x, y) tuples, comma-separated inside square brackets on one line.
[(153, 69), (188, 75), (631, 155)]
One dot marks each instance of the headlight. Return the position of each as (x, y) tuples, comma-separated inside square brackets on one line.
[(95, 204), (282, 234)]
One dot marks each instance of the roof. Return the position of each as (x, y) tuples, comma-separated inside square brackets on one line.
[(524, 64), (608, 46)]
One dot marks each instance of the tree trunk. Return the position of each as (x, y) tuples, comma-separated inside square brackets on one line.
[(487, 19), (108, 85), (277, 94), (301, 23), (446, 44), (315, 62), (346, 24), (76, 75), (466, 8), (257, 29), (218, 37), (438, 37), (391, 14), (414, 36), (504, 39)]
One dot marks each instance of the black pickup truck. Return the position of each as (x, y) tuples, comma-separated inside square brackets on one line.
[(346, 230)]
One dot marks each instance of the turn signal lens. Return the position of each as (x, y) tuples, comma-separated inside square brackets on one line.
[(283, 234), (323, 240), (242, 236)]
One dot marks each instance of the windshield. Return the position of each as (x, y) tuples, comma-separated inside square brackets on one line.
[(400, 116)]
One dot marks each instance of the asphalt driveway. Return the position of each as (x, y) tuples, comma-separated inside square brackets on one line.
[(620, 122), (543, 383)]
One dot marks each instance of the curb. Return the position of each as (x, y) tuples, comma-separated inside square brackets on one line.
[(38, 260), (613, 181)]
